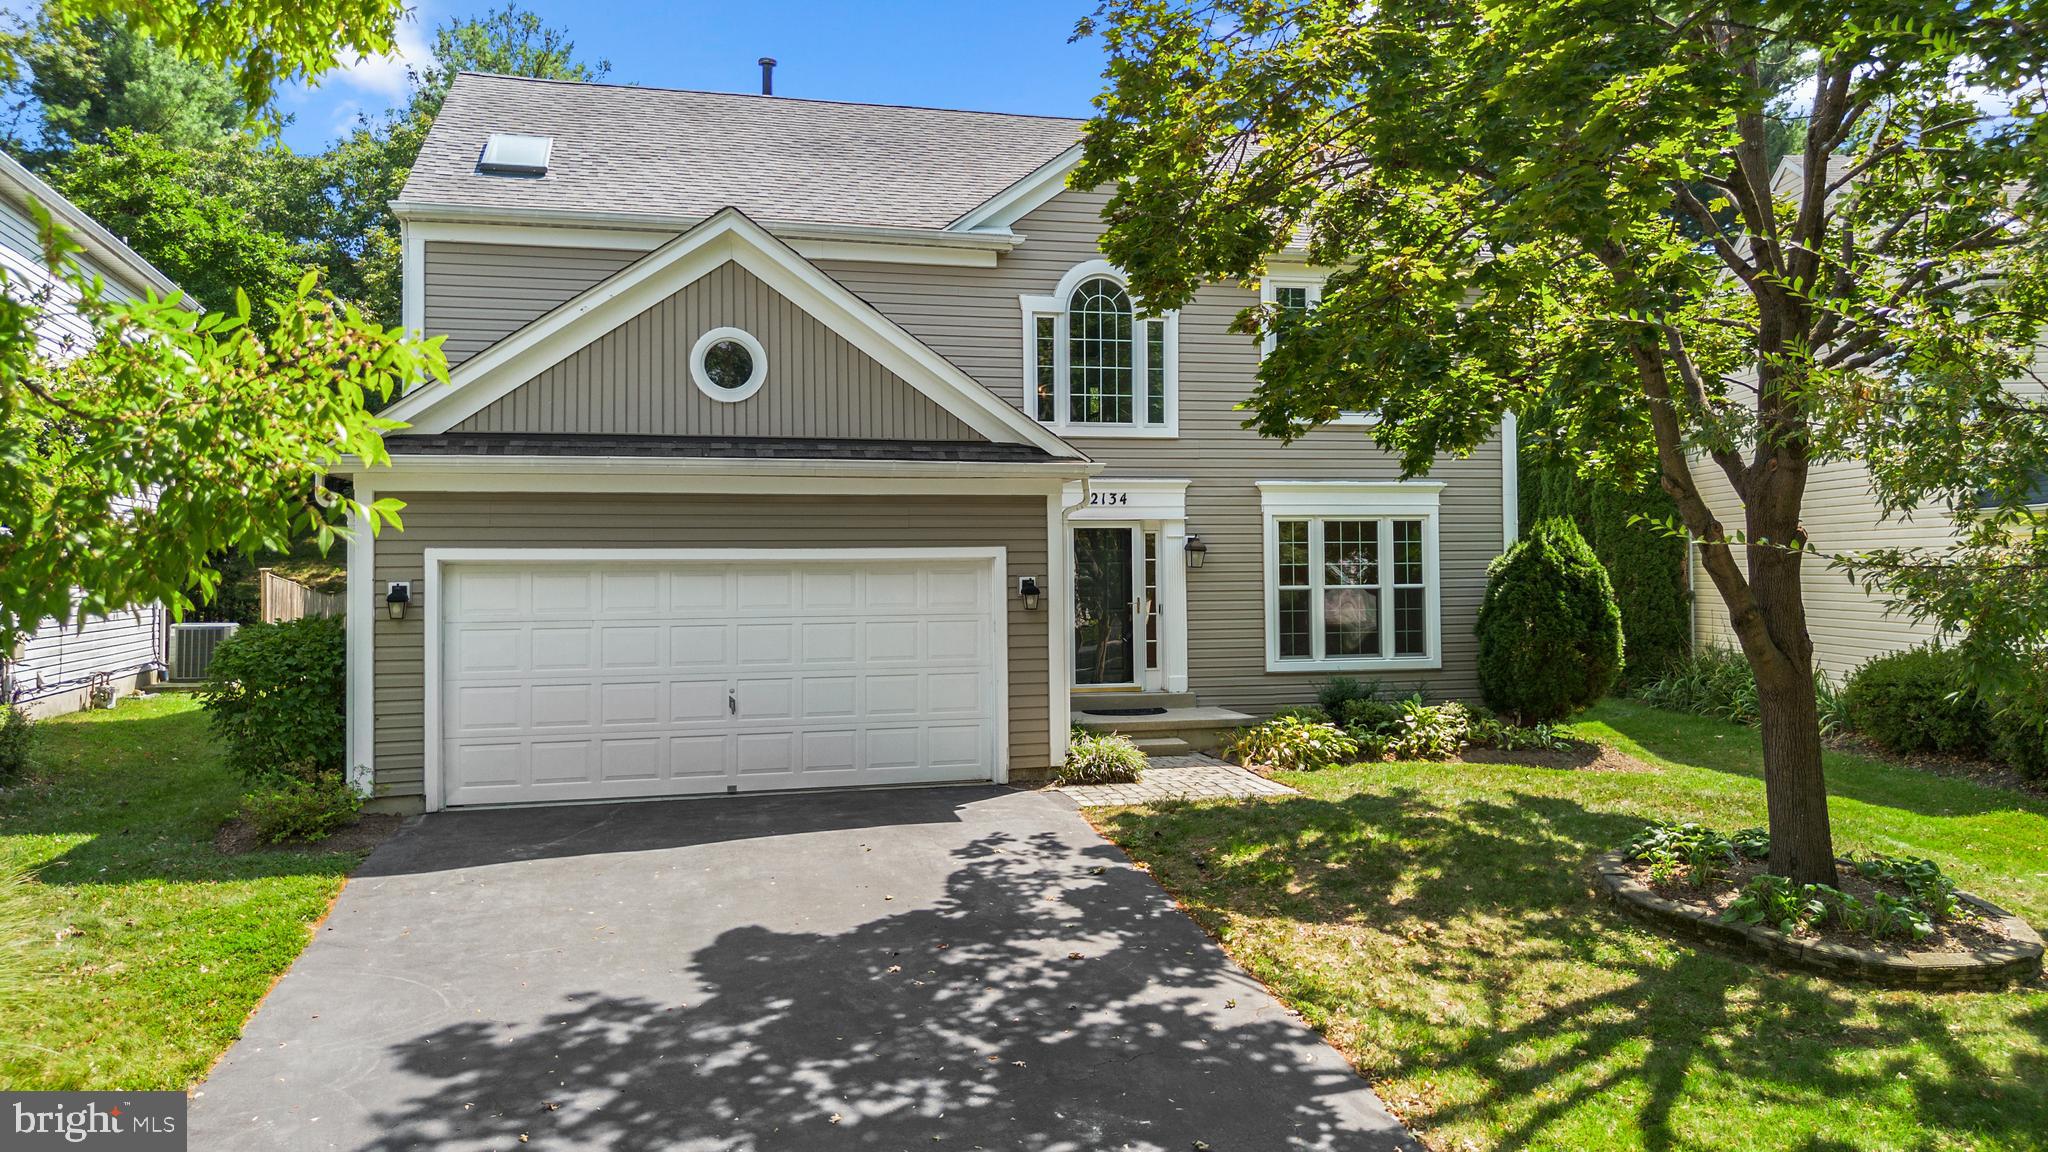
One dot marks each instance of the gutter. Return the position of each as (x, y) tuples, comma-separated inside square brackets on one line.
[(410, 211), (820, 468)]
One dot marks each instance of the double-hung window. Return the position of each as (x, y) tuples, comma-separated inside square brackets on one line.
[(1096, 366), (1297, 294), (1351, 575)]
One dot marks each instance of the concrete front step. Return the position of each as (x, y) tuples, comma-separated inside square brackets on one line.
[(1125, 701), (1202, 729), (1163, 746)]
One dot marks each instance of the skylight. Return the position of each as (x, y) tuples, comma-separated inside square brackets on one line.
[(512, 154)]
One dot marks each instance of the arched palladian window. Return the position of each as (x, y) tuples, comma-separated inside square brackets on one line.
[(1097, 367)]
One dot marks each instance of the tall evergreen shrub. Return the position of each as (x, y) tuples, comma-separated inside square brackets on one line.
[(1645, 566), (1550, 635)]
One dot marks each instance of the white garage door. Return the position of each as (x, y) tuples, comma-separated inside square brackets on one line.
[(586, 681)]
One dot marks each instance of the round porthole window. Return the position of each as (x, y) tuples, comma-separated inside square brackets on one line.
[(728, 364)]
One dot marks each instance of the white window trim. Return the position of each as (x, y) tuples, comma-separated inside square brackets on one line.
[(1354, 500), (702, 378), (1055, 305), (1269, 293)]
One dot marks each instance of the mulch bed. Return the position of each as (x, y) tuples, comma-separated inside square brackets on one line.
[(1974, 932), (237, 837), (1577, 755), (1989, 773)]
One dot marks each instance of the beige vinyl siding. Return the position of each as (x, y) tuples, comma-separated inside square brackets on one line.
[(437, 520), (636, 379), (477, 294), (972, 317)]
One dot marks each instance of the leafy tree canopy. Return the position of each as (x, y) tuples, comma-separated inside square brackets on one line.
[(1569, 210), (130, 457), (221, 218), (85, 81)]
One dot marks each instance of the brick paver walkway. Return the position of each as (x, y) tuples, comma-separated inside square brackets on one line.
[(1196, 777)]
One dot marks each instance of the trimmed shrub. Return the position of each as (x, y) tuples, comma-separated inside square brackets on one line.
[(1549, 631), (16, 735), (1100, 758), (304, 810), (1334, 694), (2019, 726), (1916, 701), (1289, 744), (276, 695), (1377, 716)]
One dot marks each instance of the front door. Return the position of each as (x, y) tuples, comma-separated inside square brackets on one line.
[(1107, 647)]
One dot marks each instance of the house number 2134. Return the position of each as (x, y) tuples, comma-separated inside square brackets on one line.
[(1108, 499)]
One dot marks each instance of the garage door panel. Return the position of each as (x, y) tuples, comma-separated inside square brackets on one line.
[(956, 639), (558, 762), (828, 698), (692, 646), (698, 700), (630, 647), (630, 758), (703, 756), (892, 642), (765, 643), (762, 753), (560, 648), (588, 681), (484, 650), (630, 592), (558, 706), (620, 705), (765, 699)]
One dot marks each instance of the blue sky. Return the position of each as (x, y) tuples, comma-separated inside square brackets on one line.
[(996, 55)]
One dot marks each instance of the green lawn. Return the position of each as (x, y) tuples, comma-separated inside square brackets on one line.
[(1437, 923), (151, 948)]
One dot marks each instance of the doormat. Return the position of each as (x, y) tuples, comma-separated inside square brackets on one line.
[(1124, 711)]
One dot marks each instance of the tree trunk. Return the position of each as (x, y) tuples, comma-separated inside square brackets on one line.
[(1795, 787)]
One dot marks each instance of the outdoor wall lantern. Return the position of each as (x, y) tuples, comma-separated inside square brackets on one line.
[(396, 599), (1027, 588), (1198, 552)]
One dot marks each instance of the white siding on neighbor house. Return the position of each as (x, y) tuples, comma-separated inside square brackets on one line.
[(62, 332), (58, 658), (1849, 626)]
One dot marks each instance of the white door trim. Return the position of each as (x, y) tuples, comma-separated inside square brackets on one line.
[(435, 559)]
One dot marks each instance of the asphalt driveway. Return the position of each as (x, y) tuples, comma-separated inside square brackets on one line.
[(945, 968)]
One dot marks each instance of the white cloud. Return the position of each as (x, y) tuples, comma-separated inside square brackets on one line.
[(385, 77)]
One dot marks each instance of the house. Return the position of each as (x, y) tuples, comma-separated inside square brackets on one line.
[(795, 444), (1849, 624), (60, 666)]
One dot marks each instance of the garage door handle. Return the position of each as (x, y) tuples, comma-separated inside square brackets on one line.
[(732, 701)]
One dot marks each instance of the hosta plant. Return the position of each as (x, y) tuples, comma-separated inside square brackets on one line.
[(1290, 744)]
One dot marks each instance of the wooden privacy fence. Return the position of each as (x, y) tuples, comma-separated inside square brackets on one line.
[(281, 598)]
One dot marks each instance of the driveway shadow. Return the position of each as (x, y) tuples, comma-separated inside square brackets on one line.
[(1041, 993)]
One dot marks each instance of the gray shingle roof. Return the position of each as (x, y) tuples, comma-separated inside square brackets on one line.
[(670, 153)]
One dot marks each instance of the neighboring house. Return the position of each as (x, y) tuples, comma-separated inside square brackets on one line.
[(793, 444), (56, 668), (1849, 626)]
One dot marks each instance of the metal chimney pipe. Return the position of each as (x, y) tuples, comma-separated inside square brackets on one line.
[(767, 75)]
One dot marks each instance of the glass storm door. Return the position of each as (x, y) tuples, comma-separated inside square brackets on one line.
[(1106, 644)]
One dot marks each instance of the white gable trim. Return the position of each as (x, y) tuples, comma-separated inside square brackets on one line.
[(727, 236), (1005, 208)]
